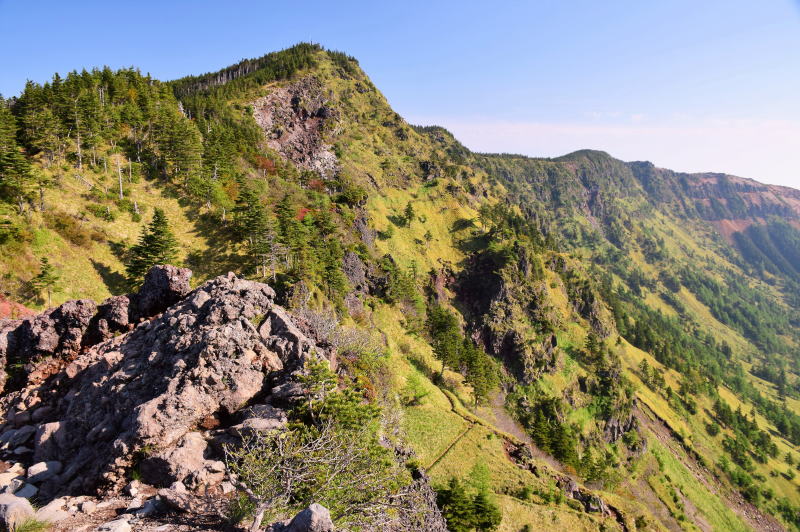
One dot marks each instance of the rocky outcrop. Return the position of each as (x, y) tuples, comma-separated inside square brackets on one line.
[(294, 118), (43, 342), (616, 427), (144, 397), (161, 397)]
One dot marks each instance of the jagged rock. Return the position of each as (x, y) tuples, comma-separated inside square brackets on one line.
[(293, 118), (149, 508), (14, 510), (283, 337), (13, 438), (163, 287), (355, 271), (132, 488), (259, 418), (615, 428), (184, 501), (590, 501), (27, 491), (113, 316), (49, 438), (175, 464), (56, 332), (203, 358), (7, 341), (185, 463)]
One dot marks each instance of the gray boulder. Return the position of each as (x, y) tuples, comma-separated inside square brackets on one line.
[(42, 471), (315, 518), (14, 510)]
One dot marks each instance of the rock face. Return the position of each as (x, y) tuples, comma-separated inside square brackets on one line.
[(293, 119), (142, 395)]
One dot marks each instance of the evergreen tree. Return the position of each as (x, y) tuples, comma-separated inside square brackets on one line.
[(457, 507), (46, 279), (156, 245), (16, 177), (445, 337), (408, 214), (487, 514)]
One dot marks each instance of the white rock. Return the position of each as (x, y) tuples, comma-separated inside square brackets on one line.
[(52, 515), (53, 511), (42, 471), (88, 507), (15, 485), (227, 488), (135, 504), (14, 510), (6, 478), (132, 488), (150, 507), (117, 525)]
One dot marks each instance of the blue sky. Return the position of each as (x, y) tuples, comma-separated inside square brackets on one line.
[(693, 86)]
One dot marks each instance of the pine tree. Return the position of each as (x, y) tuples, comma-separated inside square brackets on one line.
[(486, 514), (46, 279), (446, 337), (156, 245), (408, 214), (457, 507), (16, 177)]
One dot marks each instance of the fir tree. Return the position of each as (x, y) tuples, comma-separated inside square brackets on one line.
[(156, 245), (408, 214), (15, 171), (46, 279), (486, 514), (457, 507)]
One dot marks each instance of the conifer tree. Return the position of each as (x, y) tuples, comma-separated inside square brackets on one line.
[(15, 171), (408, 214), (156, 245), (46, 279), (487, 514), (456, 507)]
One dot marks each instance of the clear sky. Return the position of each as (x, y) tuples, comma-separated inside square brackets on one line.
[(710, 85)]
